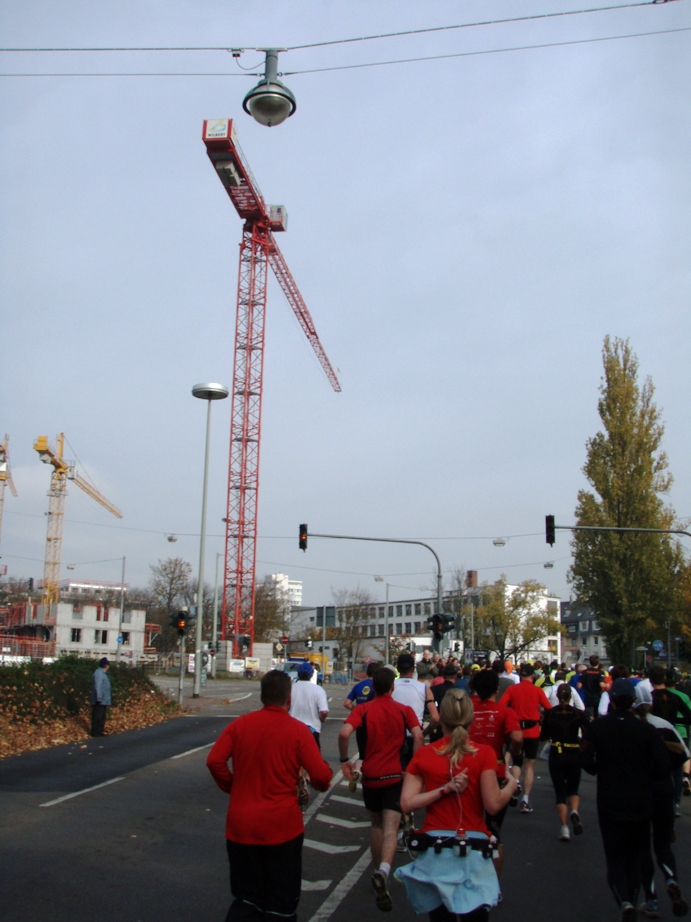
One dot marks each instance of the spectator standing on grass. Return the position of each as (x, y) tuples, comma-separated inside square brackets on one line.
[(264, 826), (100, 698)]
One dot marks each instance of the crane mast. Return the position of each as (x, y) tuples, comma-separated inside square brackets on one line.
[(5, 475), (258, 252), (62, 472)]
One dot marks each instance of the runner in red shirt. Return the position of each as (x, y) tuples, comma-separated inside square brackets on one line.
[(494, 725), (527, 699), (264, 826), (384, 722)]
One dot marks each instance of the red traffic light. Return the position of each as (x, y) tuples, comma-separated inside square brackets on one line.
[(303, 537)]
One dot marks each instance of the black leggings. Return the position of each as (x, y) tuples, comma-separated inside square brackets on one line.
[(565, 773), (442, 914), (663, 835), (626, 845)]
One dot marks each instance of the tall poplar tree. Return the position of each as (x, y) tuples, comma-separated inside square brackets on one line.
[(629, 579)]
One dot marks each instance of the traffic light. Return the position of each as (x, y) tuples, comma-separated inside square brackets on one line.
[(436, 624), (303, 537), (181, 623), (550, 530), (31, 580), (308, 644), (449, 623), (244, 642)]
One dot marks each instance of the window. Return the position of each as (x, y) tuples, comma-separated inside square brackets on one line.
[(77, 614), (100, 636), (418, 608), (596, 639), (408, 626), (381, 611), (76, 635), (573, 629), (127, 617), (390, 629), (596, 626), (399, 628), (399, 611), (373, 630), (428, 609), (381, 630), (408, 611), (418, 626), (125, 638), (105, 614), (99, 613), (584, 626)]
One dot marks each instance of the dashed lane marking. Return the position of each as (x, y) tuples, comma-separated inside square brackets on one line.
[(320, 798), (316, 884), (339, 893), (331, 849), (351, 801), (59, 800), (189, 752), (337, 821)]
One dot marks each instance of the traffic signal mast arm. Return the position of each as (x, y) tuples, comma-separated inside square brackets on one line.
[(655, 531)]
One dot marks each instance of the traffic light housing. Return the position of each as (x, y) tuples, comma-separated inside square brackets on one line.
[(303, 537), (181, 622), (436, 625), (308, 644), (550, 530)]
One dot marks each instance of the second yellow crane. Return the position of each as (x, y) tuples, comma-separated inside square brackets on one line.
[(62, 472)]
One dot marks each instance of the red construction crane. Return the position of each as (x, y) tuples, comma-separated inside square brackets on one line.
[(258, 251)]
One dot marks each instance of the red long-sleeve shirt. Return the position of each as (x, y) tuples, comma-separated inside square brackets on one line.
[(268, 748)]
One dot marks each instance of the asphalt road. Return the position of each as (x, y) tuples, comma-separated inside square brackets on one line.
[(130, 827)]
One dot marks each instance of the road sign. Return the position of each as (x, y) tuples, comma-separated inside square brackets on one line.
[(120, 638), (657, 645), (279, 647), (284, 639)]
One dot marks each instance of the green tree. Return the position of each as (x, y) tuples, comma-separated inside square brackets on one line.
[(629, 579), (512, 623)]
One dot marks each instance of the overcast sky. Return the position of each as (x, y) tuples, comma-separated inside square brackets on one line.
[(465, 232)]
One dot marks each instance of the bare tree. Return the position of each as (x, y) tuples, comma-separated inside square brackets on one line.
[(269, 612), (353, 614)]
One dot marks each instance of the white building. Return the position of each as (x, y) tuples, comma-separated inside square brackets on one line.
[(289, 590), (85, 629)]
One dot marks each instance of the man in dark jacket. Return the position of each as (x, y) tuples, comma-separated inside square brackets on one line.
[(628, 757)]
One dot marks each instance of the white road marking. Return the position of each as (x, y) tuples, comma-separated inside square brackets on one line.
[(319, 800), (241, 698), (316, 885), (330, 849), (189, 752), (339, 893), (351, 801), (337, 821), (59, 800)]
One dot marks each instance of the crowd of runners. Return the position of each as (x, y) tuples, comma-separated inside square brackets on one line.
[(441, 753)]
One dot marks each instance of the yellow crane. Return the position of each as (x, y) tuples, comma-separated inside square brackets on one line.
[(5, 475), (62, 472)]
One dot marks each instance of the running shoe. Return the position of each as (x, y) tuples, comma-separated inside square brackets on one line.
[(516, 794), (564, 834), (650, 909), (629, 913), (679, 905), (352, 784), (383, 897), (677, 810), (686, 786), (576, 823), (525, 807)]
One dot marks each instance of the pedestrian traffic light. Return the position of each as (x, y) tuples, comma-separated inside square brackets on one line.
[(550, 530), (303, 537)]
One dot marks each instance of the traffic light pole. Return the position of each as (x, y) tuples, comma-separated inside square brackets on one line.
[(182, 669), (435, 643), (655, 531)]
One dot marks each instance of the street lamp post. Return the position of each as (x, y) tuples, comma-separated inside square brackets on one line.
[(214, 632), (206, 392), (122, 612), (380, 579)]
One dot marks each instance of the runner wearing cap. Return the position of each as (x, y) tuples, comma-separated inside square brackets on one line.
[(308, 702), (629, 758)]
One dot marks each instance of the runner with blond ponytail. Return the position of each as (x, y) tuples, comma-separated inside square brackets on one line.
[(455, 781)]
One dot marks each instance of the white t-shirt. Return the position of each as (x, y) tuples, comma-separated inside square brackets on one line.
[(576, 700), (306, 701), (412, 693)]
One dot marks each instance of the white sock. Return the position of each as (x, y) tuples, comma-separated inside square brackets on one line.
[(385, 868)]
